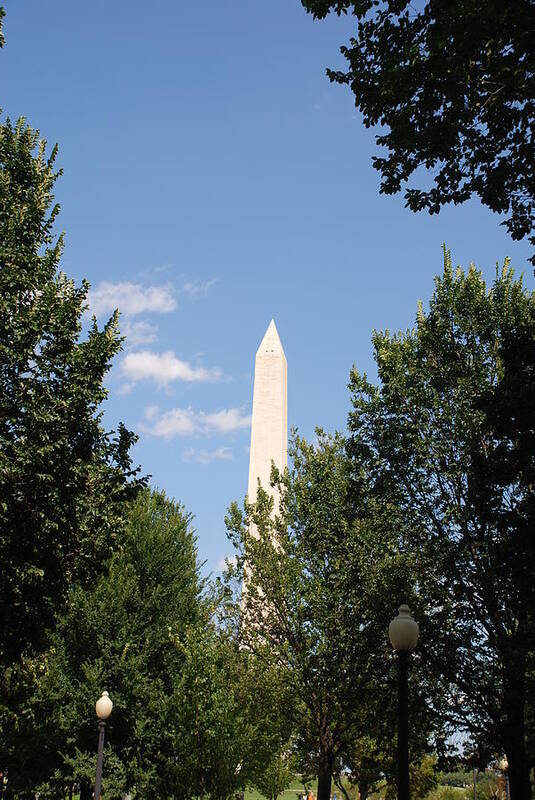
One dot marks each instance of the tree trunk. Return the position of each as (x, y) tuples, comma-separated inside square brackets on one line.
[(515, 734), (518, 770), (324, 783), (325, 771)]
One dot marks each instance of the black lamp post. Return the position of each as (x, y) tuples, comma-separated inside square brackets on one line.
[(403, 632), (103, 707)]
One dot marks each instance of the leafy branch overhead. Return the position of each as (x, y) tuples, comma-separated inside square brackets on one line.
[(452, 86)]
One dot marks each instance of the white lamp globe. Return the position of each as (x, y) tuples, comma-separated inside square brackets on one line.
[(103, 706), (403, 631)]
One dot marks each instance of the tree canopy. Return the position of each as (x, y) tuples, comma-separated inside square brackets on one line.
[(118, 635), (193, 715), (448, 439), (452, 85), (63, 478), (320, 577)]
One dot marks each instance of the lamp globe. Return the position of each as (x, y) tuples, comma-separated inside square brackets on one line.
[(403, 631), (103, 706)]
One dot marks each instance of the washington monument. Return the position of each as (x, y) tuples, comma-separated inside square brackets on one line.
[(269, 428)]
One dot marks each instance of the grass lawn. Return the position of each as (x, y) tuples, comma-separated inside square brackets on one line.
[(289, 794)]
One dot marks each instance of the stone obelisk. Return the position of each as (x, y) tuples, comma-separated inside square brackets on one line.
[(269, 428)]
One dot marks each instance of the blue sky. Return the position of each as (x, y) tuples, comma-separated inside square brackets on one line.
[(213, 179)]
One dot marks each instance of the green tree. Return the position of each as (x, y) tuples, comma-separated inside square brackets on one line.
[(63, 478), (448, 439), (365, 766), (193, 715), (229, 715), (119, 636), (423, 777), (317, 600), (488, 788), (278, 775), (452, 85)]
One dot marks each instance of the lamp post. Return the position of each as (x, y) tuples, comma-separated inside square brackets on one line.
[(103, 707), (403, 632)]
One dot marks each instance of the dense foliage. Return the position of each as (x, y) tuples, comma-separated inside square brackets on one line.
[(118, 636), (448, 439), (322, 581), (277, 776), (188, 720), (452, 85), (63, 479)]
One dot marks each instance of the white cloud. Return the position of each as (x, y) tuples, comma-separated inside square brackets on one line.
[(207, 456), (177, 422), (138, 332), (196, 288), (228, 419), (130, 298), (186, 422), (163, 368), (125, 389), (151, 412)]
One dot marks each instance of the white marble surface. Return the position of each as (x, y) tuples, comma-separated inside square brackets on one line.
[(269, 429)]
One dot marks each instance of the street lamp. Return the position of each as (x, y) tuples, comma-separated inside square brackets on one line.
[(103, 707), (403, 632)]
